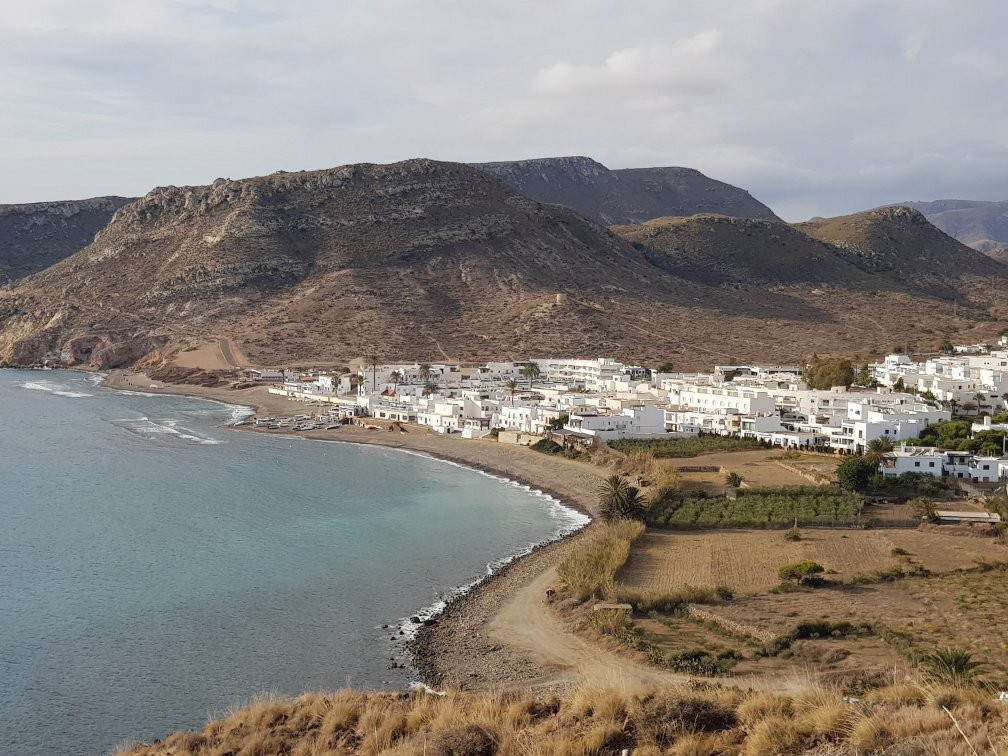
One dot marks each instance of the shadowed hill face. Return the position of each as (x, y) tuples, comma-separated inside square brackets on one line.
[(900, 241), (625, 196), (35, 236), (716, 250), (981, 225)]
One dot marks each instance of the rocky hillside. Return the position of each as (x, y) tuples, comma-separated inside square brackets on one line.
[(417, 257), (431, 261), (899, 241), (625, 196), (717, 250), (981, 225), (35, 236)]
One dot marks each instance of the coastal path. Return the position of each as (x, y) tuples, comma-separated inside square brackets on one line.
[(527, 623)]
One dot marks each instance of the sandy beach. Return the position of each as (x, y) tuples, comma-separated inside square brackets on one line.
[(483, 639)]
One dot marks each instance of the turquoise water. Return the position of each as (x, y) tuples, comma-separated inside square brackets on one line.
[(156, 568)]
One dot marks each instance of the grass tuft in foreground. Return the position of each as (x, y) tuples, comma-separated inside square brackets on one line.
[(697, 719)]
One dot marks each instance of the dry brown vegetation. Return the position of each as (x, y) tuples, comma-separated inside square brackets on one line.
[(691, 719)]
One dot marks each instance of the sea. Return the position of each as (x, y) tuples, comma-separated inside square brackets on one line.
[(158, 567)]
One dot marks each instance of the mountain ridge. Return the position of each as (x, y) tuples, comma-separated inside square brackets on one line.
[(430, 260), (35, 235), (625, 195)]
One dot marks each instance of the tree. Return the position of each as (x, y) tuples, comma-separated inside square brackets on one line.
[(947, 347), (968, 407), (531, 371), (801, 572), (952, 403), (825, 373), (953, 666), (424, 372), (864, 377), (619, 500), (980, 399), (512, 386), (430, 387), (733, 479), (395, 377), (611, 492), (855, 474), (373, 362), (876, 452), (665, 367), (899, 385)]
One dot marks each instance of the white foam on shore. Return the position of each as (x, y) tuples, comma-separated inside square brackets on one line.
[(570, 521), (57, 389), (168, 428)]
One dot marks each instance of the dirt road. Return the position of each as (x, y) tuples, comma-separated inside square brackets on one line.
[(526, 623)]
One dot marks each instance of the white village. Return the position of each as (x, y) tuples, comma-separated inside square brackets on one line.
[(579, 402)]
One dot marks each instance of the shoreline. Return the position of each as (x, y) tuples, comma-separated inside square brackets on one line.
[(450, 645)]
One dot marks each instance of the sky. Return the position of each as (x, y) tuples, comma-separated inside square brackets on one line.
[(816, 108)]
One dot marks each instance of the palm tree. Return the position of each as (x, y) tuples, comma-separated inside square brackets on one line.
[(634, 505), (952, 403), (980, 398), (430, 387), (531, 371), (425, 371), (395, 376), (611, 495), (512, 386), (876, 451), (373, 361)]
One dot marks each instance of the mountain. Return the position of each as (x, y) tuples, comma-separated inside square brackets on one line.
[(899, 241), (413, 258), (427, 260), (631, 195), (34, 236), (981, 225), (718, 250)]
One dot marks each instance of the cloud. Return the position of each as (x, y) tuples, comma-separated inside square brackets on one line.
[(815, 108), (683, 64)]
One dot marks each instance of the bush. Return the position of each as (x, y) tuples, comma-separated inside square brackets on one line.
[(662, 719), (855, 474), (792, 534), (954, 666), (547, 446), (471, 740), (801, 572)]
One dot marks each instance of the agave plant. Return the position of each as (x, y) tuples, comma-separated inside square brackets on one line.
[(953, 666)]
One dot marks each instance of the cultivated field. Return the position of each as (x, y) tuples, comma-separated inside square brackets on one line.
[(747, 560), (757, 468), (961, 609)]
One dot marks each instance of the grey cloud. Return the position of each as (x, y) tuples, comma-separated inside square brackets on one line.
[(815, 108)]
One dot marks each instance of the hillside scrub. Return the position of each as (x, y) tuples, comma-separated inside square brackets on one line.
[(758, 507), (692, 446), (686, 719), (589, 568)]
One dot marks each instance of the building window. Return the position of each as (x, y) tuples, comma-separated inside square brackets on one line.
[(917, 464)]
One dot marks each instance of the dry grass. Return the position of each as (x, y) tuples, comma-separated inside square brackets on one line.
[(590, 566), (687, 720)]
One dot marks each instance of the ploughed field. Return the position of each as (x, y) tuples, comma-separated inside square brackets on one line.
[(747, 561)]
